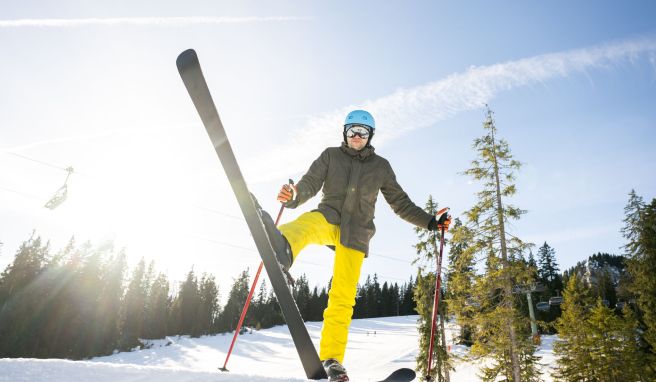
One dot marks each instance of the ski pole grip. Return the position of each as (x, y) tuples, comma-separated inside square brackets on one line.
[(442, 215)]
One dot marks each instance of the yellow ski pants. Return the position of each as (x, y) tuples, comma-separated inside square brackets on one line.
[(313, 228)]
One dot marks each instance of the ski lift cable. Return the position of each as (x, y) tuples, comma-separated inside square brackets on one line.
[(20, 193), (43, 162), (36, 160)]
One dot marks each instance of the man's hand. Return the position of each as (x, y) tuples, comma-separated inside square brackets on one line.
[(442, 219), (287, 193)]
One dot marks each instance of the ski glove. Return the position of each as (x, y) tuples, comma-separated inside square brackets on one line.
[(441, 219), (287, 193)]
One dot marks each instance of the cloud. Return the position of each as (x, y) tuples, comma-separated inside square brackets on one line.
[(428, 104), (140, 21)]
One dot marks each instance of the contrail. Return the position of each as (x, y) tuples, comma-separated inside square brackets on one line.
[(428, 104), (140, 21)]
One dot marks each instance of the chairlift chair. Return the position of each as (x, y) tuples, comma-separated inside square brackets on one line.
[(543, 306), (60, 194), (556, 300)]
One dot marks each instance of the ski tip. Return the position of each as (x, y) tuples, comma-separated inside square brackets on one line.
[(185, 58)]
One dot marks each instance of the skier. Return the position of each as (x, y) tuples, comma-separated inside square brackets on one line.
[(350, 177)]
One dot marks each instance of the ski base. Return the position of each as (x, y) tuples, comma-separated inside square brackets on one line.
[(401, 375)]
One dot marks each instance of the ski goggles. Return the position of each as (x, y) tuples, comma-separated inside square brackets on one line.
[(359, 130)]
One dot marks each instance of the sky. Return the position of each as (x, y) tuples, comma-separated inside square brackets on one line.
[(94, 86)]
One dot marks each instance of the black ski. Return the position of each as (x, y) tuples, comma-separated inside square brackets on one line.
[(400, 375), (194, 81)]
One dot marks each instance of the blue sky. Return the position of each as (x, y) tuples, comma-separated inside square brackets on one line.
[(92, 86)]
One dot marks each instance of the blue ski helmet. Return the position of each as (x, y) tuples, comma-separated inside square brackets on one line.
[(360, 117)]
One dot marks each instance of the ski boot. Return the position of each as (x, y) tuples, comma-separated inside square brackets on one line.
[(336, 372), (280, 245)]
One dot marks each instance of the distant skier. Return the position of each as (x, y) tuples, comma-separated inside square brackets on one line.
[(350, 177)]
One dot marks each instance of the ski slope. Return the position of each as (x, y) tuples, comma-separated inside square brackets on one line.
[(376, 347)]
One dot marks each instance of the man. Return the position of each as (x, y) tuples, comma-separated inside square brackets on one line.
[(350, 177)]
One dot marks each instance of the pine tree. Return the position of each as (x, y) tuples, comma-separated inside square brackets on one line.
[(372, 297), (574, 358), (595, 343), (461, 278), (360, 310), (208, 307), (189, 297), (408, 305), (549, 276), (157, 308), (318, 303), (111, 292), (640, 233), (20, 295), (59, 332), (498, 321), (612, 346), (229, 317), (548, 271), (260, 306), (427, 250), (88, 282), (301, 293), (133, 310)]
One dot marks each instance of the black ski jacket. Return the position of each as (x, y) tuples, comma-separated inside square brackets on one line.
[(350, 181)]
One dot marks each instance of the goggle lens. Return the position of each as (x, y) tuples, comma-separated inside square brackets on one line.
[(359, 130)]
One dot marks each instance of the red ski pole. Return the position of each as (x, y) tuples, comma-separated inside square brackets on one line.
[(248, 302), (436, 298)]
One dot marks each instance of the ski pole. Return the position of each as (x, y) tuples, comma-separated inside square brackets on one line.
[(248, 299), (436, 298)]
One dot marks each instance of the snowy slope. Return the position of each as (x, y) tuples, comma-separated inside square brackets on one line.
[(377, 346)]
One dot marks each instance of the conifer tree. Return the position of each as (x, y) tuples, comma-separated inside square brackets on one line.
[(548, 271), (189, 299), (59, 332), (111, 293), (157, 308), (274, 317), (229, 317), (640, 232), (208, 307), (301, 293), (318, 303), (86, 298), (461, 278), (133, 310), (596, 344), (612, 345), (372, 297), (574, 358), (360, 310), (408, 304), (427, 251), (20, 294), (499, 324), (259, 307)]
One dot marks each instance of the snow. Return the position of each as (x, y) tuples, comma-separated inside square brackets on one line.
[(377, 346)]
